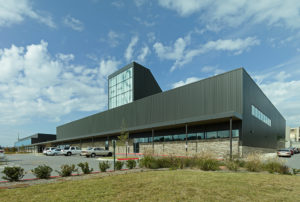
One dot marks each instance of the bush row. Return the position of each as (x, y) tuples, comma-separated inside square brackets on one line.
[(252, 163), (44, 172), (204, 162)]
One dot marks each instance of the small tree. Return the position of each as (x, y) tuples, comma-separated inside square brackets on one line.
[(124, 136)]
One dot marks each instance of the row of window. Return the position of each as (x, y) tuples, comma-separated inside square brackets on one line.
[(121, 77), (261, 116), (120, 88), (120, 100), (191, 136)]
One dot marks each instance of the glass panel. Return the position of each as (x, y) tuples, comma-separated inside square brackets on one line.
[(200, 136), (180, 137), (159, 139), (224, 134), (119, 78), (211, 135), (113, 81), (192, 136), (112, 91), (169, 138), (235, 133)]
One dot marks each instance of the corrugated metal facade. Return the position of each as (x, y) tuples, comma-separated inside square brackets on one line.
[(215, 97), (256, 133)]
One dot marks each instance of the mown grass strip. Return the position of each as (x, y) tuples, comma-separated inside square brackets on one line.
[(177, 185)]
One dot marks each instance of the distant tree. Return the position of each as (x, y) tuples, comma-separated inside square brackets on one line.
[(124, 136)]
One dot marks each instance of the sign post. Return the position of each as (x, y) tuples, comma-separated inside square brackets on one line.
[(114, 146)]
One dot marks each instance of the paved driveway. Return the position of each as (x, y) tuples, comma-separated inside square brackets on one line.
[(30, 161), (293, 162)]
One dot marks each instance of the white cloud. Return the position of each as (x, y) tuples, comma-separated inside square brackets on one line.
[(34, 84), (174, 52), (281, 76), (184, 8), (129, 51), (139, 3), (210, 69), (236, 12), (144, 52), (118, 4), (15, 11), (187, 81), (73, 23), (113, 38), (107, 67), (181, 55), (285, 96), (144, 22), (151, 37)]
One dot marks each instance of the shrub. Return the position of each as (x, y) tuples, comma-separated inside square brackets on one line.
[(103, 166), (42, 171), (232, 165), (146, 161), (66, 170), (272, 166), (119, 165), (284, 170), (253, 162), (131, 164), (253, 166), (13, 173), (85, 168), (240, 162), (296, 171), (208, 164)]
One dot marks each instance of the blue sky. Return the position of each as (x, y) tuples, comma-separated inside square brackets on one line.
[(55, 56)]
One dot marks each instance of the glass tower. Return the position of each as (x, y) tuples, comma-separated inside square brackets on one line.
[(120, 89)]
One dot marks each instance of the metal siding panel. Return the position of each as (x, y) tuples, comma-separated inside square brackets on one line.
[(262, 135), (218, 94)]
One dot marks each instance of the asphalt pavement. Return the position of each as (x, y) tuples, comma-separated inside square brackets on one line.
[(31, 161), (293, 162)]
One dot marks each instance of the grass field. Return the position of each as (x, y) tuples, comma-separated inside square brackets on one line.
[(177, 185)]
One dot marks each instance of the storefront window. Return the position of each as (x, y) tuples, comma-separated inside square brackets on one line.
[(211, 135)]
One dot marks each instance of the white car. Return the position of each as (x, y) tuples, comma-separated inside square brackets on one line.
[(47, 149), (96, 151), (54, 152), (68, 151), (2, 155)]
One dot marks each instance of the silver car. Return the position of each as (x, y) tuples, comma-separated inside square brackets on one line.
[(54, 152), (284, 152), (95, 151), (48, 149)]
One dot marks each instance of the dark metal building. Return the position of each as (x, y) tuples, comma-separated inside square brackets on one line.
[(200, 111), (27, 142)]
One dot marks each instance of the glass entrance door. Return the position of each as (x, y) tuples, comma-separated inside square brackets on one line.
[(136, 147)]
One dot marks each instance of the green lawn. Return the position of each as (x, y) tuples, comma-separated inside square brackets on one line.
[(178, 185)]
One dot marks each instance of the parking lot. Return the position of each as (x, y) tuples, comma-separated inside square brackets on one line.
[(31, 161), (293, 162)]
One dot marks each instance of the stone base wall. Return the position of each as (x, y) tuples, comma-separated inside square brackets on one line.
[(245, 150), (219, 147)]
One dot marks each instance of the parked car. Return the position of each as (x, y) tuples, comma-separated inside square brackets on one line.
[(292, 150), (95, 151), (2, 155), (284, 152), (295, 150), (47, 149), (54, 152), (68, 151)]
